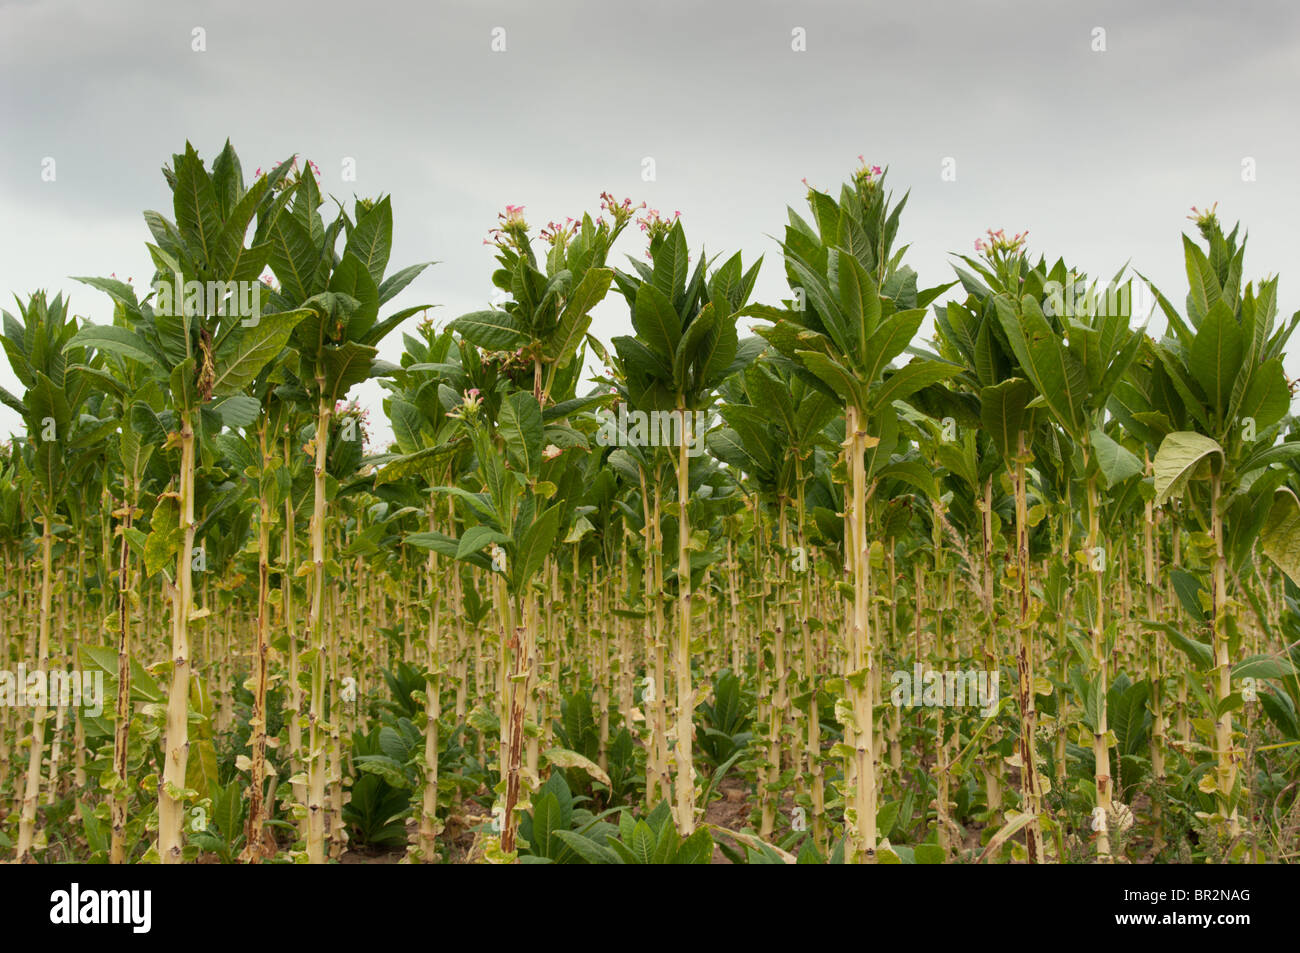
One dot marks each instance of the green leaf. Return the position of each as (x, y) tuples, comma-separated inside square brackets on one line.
[(1215, 357), (1055, 373), (910, 378), (243, 353), (371, 241), (834, 375), (112, 339), (1005, 415), (420, 463), (657, 324), (643, 843), (1176, 460), (521, 428), (476, 537), (394, 283), (586, 848), (1116, 463), (238, 410), (1280, 538), (1264, 666), (928, 854), (696, 849), (346, 366), (1200, 654), (534, 546), (491, 330), (195, 201), (576, 317), (690, 347)]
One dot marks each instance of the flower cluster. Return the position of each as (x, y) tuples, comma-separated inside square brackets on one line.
[(293, 167), (1206, 220), (556, 234), (997, 243), (512, 230), (359, 414), (656, 226), (868, 176), (469, 407), (622, 212)]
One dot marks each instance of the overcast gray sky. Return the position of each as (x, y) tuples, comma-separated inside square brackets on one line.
[(1099, 154)]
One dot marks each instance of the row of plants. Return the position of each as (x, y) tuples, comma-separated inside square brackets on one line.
[(662, 612)]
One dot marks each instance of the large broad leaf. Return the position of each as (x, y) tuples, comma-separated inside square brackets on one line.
[(890, 339), (834, 375), (657, 323), (246, 350), (195, 201), (120, 341), (726, 444), (533, 547), (1200, 654), (1177, 459), (421, 462), (1280, 539), (1266, 398), (1215, 357), (408, 424), (908, 379), (238, 410), (476, 537), (231, 260), (491, 330), (1203, 289), (671, 262), (351, 278), (1005, 415), (575, 318), (694, 347), (371, 240), (1264, 666), (398, 280), (521, 427), (1115, 462), (121, 292), (293, 257), (1055, 373), (346, 366)]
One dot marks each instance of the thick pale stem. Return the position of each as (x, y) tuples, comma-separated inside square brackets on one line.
[(1029, 786), (685, 781), (254, 846), (316, 766), (177, 745), (122, 728), (1226, 769), (860, 648), (32, 789), (1100, 745)]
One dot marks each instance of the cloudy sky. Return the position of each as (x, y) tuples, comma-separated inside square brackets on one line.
[(1097, 152)]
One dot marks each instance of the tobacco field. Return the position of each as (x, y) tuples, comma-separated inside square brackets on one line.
[(789, 581)]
